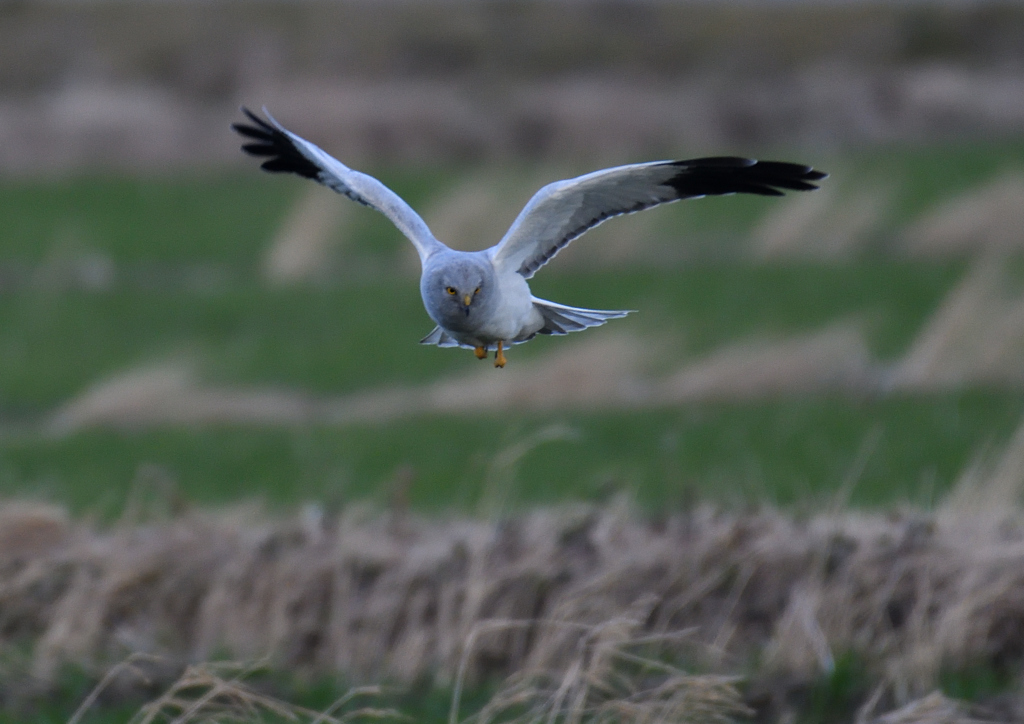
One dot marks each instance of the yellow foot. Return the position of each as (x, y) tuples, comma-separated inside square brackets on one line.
[(499, 357), (480, 352)]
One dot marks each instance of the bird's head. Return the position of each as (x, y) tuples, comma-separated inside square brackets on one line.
[(459, 287), (462, 287)]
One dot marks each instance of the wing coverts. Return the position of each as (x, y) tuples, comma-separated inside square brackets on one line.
[(562, 211)]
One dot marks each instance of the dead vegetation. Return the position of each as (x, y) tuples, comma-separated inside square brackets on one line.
[(219, 692), (204, 693), (562, 603)]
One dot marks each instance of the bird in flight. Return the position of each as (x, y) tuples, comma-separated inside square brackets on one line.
[(481, 299)]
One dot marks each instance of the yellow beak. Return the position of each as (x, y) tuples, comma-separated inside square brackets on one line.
[(467, 299)]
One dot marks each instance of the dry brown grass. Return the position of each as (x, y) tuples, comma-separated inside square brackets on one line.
[(613, 676), (607, 682), (218, 692), (560, 602)]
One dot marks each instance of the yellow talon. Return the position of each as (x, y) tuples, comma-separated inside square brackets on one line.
[(499, 357), (480, 352)]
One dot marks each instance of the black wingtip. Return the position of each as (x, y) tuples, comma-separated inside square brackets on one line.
[(256, 119), (269, 141), (719, 175)]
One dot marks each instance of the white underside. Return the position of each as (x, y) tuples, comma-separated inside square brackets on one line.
[(555, 319), (514, 316)]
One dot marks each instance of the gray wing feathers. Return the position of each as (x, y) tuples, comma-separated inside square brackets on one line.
[(564, 210), (289, 153)]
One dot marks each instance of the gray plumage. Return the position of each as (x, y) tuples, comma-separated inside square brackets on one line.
[(481, 299)]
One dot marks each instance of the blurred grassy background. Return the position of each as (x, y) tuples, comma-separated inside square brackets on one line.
[(145, 265), (109, 274), (179, 330)]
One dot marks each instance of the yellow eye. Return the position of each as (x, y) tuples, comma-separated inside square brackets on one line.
[(451, 290), (476, 291)]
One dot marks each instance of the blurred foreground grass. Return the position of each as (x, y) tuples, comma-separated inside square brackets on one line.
[(801, 451), (99, 276)]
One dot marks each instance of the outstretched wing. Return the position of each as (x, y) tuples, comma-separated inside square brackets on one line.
[(288, 153), (564, 210)]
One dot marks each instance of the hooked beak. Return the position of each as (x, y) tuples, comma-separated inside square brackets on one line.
[(467, 300)]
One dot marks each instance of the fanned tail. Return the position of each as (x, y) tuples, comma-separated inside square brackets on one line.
[(441, 338), (560, 319)]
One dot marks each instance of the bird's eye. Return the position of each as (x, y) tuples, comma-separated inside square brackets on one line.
[(476, 291), (451, 290)]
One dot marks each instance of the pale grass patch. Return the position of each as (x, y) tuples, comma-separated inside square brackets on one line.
[(172, 393), (124, 398), (301, 248), (598, 370), (476, 213), (602, 370), (831, 223), (975, 336), (835, 357), (986, 219)]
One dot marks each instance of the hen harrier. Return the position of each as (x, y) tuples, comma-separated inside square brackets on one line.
[(480, 299)]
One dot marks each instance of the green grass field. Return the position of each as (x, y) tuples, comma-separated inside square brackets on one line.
[(183, 256), (789, 452)]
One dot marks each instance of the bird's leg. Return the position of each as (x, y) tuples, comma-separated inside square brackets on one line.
[(499, 357), (480, 352)]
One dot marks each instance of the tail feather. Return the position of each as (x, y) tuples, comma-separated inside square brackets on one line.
[(441, 338), (560, 319)]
